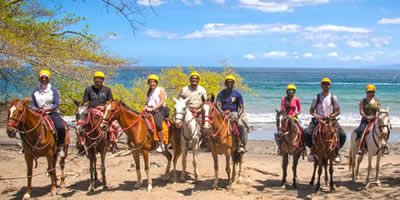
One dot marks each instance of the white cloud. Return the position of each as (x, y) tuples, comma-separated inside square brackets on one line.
[(278, 5), (357, 44), (225, 30), (389, 21), (276, 54), (249, 56), (150, 2), (192, 2), (333, 54), (381, 41), (335, 28), (331, 45), (161, 34), (307, 55), (219, 1), (322, 45)]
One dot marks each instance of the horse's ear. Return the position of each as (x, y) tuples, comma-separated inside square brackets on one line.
[(276, 110), (76, 102), (212, 98), (13, 101), (27, 101), (175, 100), (203, 99)]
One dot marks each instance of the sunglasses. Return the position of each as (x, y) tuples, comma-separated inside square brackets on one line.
[(371, 92)]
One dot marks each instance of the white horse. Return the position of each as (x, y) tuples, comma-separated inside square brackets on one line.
[(190, 135), (376, 141)]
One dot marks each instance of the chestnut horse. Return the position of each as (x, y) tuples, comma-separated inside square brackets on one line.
[(325, 144), (37, 139), (291, 143), (95, 140), (223, 139), (140, 140)]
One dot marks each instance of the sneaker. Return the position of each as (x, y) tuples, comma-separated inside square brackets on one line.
[(242, 150), (61, 153), (160, 148), (386, 150), (311, 157), (338, 159)]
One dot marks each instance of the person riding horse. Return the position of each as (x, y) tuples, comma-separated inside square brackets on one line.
[(230, 101), (155, 104), (324, 105), (292, 106), (46, 99), (369, 106), (97, 96)]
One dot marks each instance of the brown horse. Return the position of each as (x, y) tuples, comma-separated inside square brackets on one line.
[(140, 140), (223, 139), (38, 141), (325, 148), (95, 140), (290, 136)]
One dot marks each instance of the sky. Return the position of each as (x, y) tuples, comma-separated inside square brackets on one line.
[(248, 33)]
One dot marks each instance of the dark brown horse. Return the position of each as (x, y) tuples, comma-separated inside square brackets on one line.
[(223, 139), (38, 141), (325, 148), (140, 140), (95, 140), (290, 136)]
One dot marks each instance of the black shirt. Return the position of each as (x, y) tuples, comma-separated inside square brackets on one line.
[(96, 96)]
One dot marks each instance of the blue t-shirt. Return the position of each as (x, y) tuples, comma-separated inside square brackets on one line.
[(230, 101)]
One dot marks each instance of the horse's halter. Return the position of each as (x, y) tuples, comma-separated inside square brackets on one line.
[(114, 112), (283, 126), (13, 121), (381, 125), (210, 115), (83, 122)]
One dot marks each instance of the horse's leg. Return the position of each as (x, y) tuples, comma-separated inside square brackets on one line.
[(228, 154), (136, 158), (103, 166), (326, 171), (369, 168), (285, 161), (62, 175), (296, 158), (184, 154), (195, 149), (147, 170), (215, 158), (168, 155), (29, 166), (332, 187), (378, 160), (177, 153), (92, 167), (52, 172), (359, 159), (320, 165), (314, 171), (95, 164)]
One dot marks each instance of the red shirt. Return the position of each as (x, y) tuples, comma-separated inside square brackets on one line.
[(294, 106)]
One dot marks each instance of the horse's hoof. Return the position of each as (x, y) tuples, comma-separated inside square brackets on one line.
[(182, 178), (311, 182), (332, 189), (215, 185), (105, 188), (137, 185), (378, 183), (91, 188), (166, 177), (294, 185), (27, 196), (149, 188)]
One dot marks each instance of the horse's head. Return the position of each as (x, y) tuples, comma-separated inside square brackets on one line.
[(111, 112), (329, 126), (82, 116), (282, 122), (180, 111), (206, 112), (16, 113), (384, 124)]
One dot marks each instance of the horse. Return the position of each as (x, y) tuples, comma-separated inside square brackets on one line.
[(95, 140), (376, 140), (223, 138), (325, 139), (138, 137), (290, 135), (37, 139), (191, 132)]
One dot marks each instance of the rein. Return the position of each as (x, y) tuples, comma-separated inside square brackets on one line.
[(14, 123), (297, 139)]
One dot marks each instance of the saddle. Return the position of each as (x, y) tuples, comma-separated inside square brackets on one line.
[(364, 134), (151, 127)]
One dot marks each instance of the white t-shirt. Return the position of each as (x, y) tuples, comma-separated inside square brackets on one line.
[(154, 97), (194, 96), (325, 106)]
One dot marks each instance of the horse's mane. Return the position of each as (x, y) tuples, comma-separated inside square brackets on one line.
[(129, 108)]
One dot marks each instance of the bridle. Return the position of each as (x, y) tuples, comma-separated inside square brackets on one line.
[(13, 122)]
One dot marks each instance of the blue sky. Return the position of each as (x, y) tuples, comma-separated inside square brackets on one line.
[(253, 33)]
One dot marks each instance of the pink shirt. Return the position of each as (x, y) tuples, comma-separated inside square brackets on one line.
[(295, 106)]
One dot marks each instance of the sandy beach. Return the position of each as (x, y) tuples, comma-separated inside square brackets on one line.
[(260, 177)]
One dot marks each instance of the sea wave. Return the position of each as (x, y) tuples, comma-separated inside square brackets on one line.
[(346, 119)]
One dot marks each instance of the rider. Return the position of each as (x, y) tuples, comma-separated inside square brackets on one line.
[(369, 106), (154, 104), (46, 99), (97, 95), (230, 101), (324, 105), (290, 104)]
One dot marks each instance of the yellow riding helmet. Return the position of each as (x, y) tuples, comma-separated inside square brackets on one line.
[(152, 77), (326, 80), (98, 74), (194, 73), (290, 87), (370, 88), (230, 77), (44, 72)]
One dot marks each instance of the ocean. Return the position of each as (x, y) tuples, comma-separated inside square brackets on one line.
[(269, 84)]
